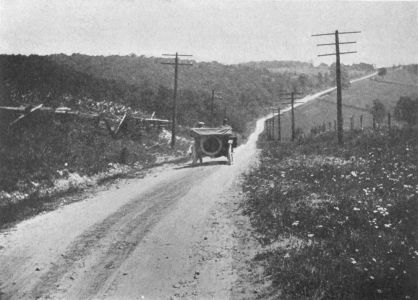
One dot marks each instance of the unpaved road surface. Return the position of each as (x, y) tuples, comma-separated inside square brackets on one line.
[(168, 235)]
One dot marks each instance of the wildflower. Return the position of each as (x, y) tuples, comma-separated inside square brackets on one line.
[(387, 225), (374, 259), (287, 255), (356, 209), (353, 261), (371, 277), (336, 208), (392, 268), (296, 223), (311, 235), (354, 174), (365, 269)]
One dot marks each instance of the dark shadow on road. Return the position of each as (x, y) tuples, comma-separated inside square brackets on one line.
[(208, 163)]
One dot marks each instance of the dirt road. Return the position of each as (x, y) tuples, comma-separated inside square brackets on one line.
[(166, 235)]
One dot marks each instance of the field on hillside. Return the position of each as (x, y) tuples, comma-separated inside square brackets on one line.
[(337, 223), (356, 101)]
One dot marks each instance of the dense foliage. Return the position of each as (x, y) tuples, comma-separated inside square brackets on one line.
[(406, 110)]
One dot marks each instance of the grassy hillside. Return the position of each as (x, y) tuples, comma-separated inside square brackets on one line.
[(356, 102), (337, 222)]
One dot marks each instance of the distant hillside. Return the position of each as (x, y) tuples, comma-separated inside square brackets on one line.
[(145, 84)]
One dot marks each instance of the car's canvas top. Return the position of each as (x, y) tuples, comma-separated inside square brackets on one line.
[(225, 130)]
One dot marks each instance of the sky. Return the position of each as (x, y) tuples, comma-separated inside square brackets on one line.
[(227, 31)]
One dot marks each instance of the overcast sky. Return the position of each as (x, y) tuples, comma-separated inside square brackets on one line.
[(228, 31)]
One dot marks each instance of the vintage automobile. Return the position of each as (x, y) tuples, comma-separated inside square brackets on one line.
[(213, 142)]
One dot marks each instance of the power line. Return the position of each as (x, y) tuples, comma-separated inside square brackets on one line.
[(338, 74), (176, 64)]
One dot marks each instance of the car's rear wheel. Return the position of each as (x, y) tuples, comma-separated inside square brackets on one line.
[(210, 145)]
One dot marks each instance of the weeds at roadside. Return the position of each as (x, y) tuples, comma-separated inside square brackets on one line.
[(354, 209)]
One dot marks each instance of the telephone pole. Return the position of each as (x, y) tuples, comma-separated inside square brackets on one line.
[(291, 96), (274, 109), (279, 136), (174, 117), (338, 74), (214, 96)]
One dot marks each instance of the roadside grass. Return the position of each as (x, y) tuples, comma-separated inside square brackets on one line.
[(338, 223)]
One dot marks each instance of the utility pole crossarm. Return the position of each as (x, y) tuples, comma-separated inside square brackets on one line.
[(349, 32), (177, 54), (333, 44), (332, 54), (179, 64), (333, 33)]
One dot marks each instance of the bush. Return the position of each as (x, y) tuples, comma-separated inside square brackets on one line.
[(406, 110)]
